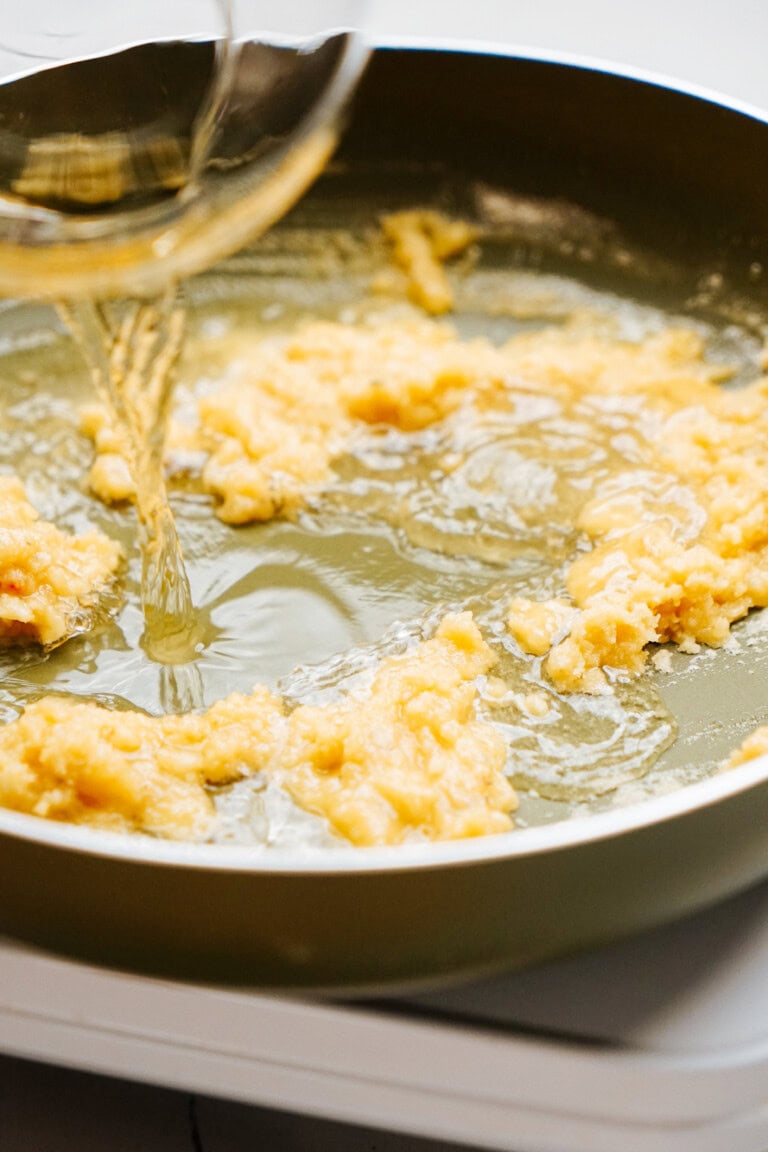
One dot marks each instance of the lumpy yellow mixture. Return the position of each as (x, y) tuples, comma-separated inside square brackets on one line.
[(673, 517), (270, 433), (49, 581), (409, 756), (422, 240), (677, 529), (405, 757), (667, 513)]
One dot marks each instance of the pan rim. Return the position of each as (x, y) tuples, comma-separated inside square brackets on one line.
[(576, 60), (135, 848), (524, 842)]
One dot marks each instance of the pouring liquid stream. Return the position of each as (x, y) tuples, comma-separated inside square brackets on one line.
[(132, 348)]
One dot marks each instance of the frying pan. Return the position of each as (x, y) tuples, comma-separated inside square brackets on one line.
[(679, 178)]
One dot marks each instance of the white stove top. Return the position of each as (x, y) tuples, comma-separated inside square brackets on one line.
[(660, 1043)]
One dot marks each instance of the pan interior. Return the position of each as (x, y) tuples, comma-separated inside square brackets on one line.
[(308, 605)]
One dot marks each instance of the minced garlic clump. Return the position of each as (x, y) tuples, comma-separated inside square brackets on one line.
[(127, 771), (49, 580), (408, 756), (678, 525), (405, 757), (292, 406), (422, 240)]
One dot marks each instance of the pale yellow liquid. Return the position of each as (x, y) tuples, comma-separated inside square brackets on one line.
[(132, 348)]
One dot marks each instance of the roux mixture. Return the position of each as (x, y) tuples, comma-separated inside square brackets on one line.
[(50, 581), (404, 757), (627, 462)]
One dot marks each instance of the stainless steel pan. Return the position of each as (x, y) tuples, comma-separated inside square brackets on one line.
[(682, 182)]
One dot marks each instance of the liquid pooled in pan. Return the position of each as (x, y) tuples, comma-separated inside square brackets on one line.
[(394, 461)]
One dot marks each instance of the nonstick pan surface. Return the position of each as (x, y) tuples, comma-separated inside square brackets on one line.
[(627, 188)]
